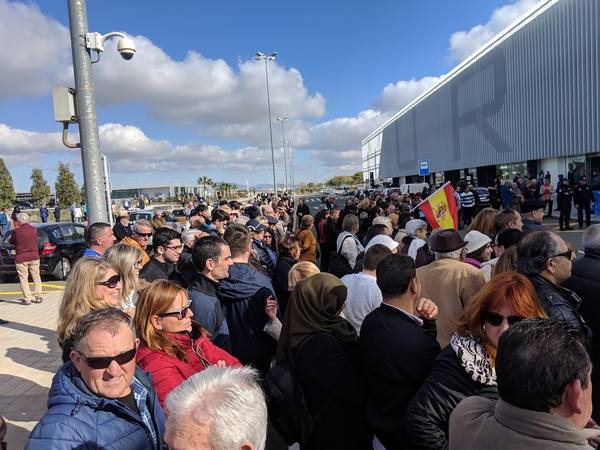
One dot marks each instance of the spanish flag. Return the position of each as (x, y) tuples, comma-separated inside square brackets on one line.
[(440, 208)]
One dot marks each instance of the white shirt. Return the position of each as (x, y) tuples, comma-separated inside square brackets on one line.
[(363, 297)]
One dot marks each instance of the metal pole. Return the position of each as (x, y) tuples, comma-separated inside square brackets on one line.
[(283, 119), (270, 127), (293, 181), (86, 109), (108, 201)]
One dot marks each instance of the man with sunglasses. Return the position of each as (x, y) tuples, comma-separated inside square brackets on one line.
[(547, 261), (167, 247), (140, 238), (99, 399)]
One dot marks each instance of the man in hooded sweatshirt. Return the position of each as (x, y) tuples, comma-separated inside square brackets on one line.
[(243, 296)]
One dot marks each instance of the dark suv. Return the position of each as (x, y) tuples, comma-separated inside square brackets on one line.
[(59, 244)]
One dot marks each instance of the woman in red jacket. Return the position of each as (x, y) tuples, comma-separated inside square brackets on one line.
[(172, 346)]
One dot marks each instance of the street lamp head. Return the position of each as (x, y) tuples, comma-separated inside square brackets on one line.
[(273, 55), (259, 55)]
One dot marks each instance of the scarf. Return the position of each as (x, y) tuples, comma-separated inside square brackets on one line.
[(474, 359), (415, 245), (313, 308)]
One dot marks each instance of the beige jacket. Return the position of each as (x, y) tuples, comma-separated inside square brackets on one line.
[(480, 423), (451, 285)]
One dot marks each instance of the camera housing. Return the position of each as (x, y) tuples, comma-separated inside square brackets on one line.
[(126, 48)]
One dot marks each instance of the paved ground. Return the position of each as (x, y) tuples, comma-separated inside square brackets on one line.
[(29, 358)]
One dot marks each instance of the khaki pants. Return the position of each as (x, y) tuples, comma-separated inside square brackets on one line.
[(23, 269)]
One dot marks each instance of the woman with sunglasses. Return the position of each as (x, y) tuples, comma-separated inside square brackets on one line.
[(128, 260), (172, 346), (94, 283), (466, 367)]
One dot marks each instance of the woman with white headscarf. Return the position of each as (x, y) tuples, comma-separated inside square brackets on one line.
[(415, 243)]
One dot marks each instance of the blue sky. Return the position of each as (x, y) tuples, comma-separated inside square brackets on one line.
[(192, 101)]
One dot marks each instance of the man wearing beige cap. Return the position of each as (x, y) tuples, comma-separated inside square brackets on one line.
[(121, 229), (448, 281)]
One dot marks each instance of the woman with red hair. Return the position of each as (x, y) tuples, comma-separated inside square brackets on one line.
[(172, 346), (466, 367)]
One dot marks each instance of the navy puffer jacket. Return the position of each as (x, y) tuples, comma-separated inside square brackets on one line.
[(78, 419)]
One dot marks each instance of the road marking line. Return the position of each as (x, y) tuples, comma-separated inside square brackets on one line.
[(53, 286), (19, 292)]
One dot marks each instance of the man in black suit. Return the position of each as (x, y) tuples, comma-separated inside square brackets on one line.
[(398, 346)]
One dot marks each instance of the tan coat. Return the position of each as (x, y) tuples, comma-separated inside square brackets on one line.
[(133, 243), (451, 285), (308, 244)]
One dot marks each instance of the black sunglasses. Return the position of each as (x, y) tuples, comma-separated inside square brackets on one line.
[(568, 254), (143, 234), (496, 319), (179, 314), (102, 362), (111, 282)]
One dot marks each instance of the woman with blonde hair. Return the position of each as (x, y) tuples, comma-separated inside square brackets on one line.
[(93, 283), (172, 346), (466, 367), (128, 260), (308, 243), (300, 271)]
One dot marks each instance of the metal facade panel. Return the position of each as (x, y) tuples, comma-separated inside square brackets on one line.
[(533, 96)]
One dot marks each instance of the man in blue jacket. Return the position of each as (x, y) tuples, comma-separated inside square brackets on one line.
[(99, 399), (243, 296)]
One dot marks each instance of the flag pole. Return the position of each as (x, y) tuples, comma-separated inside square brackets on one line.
[(426, 198)]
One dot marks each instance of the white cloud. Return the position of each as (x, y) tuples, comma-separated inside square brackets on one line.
[(35, 51), (396, 96), (464, 43), (23, 146)]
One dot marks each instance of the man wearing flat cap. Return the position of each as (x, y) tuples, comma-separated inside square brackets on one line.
[(121, 229), (448, 281), (532, 211)]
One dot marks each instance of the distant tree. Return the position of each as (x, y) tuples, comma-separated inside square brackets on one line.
[(204, 181), (40, 190), (340, 180), (67, 190), (7, 189), (358, 178)]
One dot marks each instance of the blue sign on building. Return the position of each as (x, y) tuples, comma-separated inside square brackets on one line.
[(423, 167)]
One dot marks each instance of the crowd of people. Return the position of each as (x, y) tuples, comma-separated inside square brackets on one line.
[(401, 337)]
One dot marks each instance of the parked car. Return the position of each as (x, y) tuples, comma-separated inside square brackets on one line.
[(148, 214), (24, 204), (484, 197), (60, 245)]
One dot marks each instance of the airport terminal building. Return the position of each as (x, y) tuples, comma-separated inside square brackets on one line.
[(527, 101)]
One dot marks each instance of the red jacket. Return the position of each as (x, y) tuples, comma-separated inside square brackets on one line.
[(168, 372), (25, 240)]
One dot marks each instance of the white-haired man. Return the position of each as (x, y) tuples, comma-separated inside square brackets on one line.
[(217, 409)]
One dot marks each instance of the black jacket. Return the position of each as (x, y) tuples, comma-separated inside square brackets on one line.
[(332, 231), (121, 231), (185, 267), (531, 225), (243, 297), (333, 384), (263, 257), (585, 282), (560, 303), (280, 281), (397, 356), (424, 255), (156, 270), (427, 417), (582, 195), (564, 195)]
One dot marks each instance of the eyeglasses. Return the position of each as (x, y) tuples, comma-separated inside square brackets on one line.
[(102, 362), (496, 319), (146, 235), (568, 254), (111, 282), (176, 248), (179, 314)]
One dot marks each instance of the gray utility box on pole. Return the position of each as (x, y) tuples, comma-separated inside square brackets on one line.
[(65, 106)]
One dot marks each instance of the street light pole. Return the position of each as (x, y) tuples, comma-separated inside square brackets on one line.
[(91, 158), (282, 120), (266, 59), (292, 179)]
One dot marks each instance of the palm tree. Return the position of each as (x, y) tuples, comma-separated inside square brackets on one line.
[(204, 181)]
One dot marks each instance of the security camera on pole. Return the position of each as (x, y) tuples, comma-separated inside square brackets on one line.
[(84, 105)]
